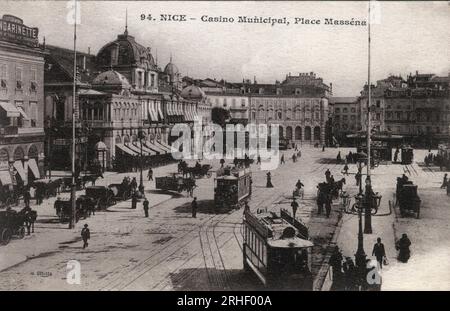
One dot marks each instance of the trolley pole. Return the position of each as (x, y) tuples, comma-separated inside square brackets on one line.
[(73, 189)]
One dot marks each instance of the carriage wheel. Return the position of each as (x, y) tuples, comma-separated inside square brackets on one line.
[(21, 232), (5, 236)]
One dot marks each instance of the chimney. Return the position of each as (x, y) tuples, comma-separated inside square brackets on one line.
[(89, 50), (417, 72), (254, 79)]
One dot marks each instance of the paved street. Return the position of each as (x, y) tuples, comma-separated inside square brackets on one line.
[(172, 251)]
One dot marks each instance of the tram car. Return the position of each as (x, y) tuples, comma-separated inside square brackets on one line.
[(408, 199), (233, 188), (278, 250), (444, 155), (407, 155)]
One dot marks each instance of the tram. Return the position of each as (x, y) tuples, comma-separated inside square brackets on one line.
[(232, 187), (278, 250), (444, 155)]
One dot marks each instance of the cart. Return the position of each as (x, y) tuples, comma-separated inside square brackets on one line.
[(102, 196), (11, 224), (175, 182)]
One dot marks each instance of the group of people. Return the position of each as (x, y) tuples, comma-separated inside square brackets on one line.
[(433, 159), (347, 276)]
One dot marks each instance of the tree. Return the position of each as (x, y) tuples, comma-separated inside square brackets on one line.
[(220, 116)]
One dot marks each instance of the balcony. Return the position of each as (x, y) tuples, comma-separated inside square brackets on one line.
[(9, 130)]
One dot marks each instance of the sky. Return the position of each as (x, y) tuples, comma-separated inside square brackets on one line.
[(406, 36)]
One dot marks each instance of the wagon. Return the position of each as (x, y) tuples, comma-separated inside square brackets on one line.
[(175, 182), (121, 192), (11, 224), (407, 198), (102, 196), (63, 209)]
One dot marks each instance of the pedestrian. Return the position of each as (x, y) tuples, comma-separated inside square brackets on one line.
[(258, 160), (338, 158), (349, 274), (282, 159), (26, 197), (319, 201), (194, 207), (85, 235), (134, 201), (328, 203), (327, 175), (379, 252), (358, 178), (150, 174), (294, 158), (222, 162), (444, 182), (323, 148), (145, 205), (346, 169), (403, 247), (296, 147), (396, 155), (269, 180), (133, 184), (294, 206)]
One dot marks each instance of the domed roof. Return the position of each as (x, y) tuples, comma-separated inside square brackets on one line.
[(171, 69), (129, 53), (111, 78), (192, 92)]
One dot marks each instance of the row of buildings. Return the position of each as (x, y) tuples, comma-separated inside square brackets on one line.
[(124, 98), (416, 108)]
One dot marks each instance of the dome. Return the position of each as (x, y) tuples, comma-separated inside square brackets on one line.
[(171, 69), (111, 78), (192, 92), (125, 51)]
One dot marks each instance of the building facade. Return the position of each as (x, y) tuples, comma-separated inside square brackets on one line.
[(345, 117), (417, 108), (299, 105), (21, 103)]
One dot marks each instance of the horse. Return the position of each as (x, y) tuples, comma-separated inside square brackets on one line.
[(337, 187), (29, 217), (90, 178)]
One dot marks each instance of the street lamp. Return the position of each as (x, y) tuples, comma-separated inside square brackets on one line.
[(141, 136), (360, 256)]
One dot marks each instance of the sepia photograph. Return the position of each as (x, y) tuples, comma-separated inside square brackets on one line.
[(230, 146)]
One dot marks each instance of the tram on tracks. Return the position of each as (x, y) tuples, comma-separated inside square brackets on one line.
[(278, 250), (232, 187)]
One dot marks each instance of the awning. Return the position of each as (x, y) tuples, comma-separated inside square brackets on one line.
[(148, 150), (22, 112), (137, 149), (5, 178), (168, 108), (20, 170), (145, 151), (11, 110), (163, 146), (153, 113), (161, 115), (32, 165), (154, 147), (125, 149)]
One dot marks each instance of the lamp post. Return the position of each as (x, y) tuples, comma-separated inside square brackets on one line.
[(368, 207), (360, 255), (141, 136)]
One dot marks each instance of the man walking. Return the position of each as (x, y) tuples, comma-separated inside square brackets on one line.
[(145, 205), (328, 203), (379, 252), (346, 169), (282, 159), (444, 182), (150, 174), (294, 206), (194, 207), (85, 235), (134, 201)]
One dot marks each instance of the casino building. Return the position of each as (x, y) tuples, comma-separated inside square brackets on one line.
[(21, 103)]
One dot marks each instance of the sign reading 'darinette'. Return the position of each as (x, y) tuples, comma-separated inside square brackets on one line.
[(12, 29)]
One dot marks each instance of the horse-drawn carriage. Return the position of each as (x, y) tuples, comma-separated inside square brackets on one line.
[(63, 209), (175, 182), (11, 224), (102, 197), (120, 192), (233, 188), (407, 198)]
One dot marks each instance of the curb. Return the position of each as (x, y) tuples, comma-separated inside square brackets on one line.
[(325, 271)]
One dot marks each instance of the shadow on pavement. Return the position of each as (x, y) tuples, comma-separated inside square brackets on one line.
[(204, 207)]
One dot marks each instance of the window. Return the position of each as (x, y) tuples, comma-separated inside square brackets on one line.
[(152, 80), (234, 102), (399, 115), (33, 113), (3, 75), (378, 117), (224, 102), (353, 110), (33, 75), (345, 110), (378, 103), (337, 110), (353, 117), (18, 78), (243, 102)]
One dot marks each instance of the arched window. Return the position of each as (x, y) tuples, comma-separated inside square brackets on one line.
[(280, 131), (289, 132), (307, 133), (317, 133), (33, 152), (298, 133), (18, 154)]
